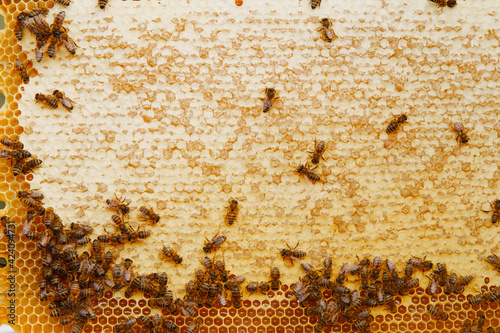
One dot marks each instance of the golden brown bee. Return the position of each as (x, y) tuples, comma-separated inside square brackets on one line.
[(326, 29), (47, 99), (19, 27), (56, 27), (236, 297), (309, 269), (147, 214), (252, 287), (396, 123), (65, 101), (102, 3), (186, 309), (275, 279), (292, 253), (63, 2), (125, 325), (437, 313), (195, 324), (14, 144), (306, 171), (495, 205), (442, 3), (21, 69), (233, 211), (171, 254), (34, 194), (38, 11), (494, 260), (477, 299), (319, 149), (18, 154), (120, 205), (459, 129), (69, 43), (26, 167), (214, 243), (269, 100), (315, 3)]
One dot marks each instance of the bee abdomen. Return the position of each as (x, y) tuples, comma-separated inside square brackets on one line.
[(313, 176), (392, 127), (315, 3), (102, 3), (495, 218)]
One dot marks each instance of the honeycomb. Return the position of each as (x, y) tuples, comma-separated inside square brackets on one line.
[(168, 115)]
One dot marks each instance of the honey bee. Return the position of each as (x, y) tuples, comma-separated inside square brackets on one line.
[(18, 154), (26, 167), (236, 297), (252, 287), (65, 101), (14, 144), (306, 171), (494, 260), (319, 149), (423, 264), (34, 194), (19, 27), (120, 205), (186, 309), (477, 299), (442, 3), (56, 27), (214, 243), (63, 2), (269, 100), (396, 123), (171, 254), (315, 3), (69, 43), (21, 69), (344, 270), (437, 313), (309, 269), (195, 324), (275, 282), (326, 29), (125, 325), (233, 211), (495, 205), (37, 25), (459, 129), (47, 99), (292, 254), (32, 203), (433, 286), (148, 214), (102, 4)]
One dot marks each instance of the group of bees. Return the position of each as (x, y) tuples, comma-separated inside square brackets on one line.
[(316, 155), (22, 161), (54, 100), (379, 282), (48, 38)]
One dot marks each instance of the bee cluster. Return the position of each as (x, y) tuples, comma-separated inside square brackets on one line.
[(54, 100), (48, 38), (22, 161)]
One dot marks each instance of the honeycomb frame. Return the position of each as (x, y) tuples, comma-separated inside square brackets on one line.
[(344, 92)]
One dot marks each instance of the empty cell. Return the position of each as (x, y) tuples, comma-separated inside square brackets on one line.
[(242, 312), (439, 325), (142, 302), (203, 312), (218, 321), (256, 321), (431, 325), (102, 320), (146, 311), (421, 326), (132, 302), (270, 329), (276, 321), (299, 312), (266, 320), (227, 321), (107, 312), (247, 321), (137, 311), (275, 304), (233, 329), (284, 303), (117, 312), (402, 309), (256, 303), (208, 321), (223, 329), (232, 312), (179, 321), (280, 329), (294, 303), (261, 312), (424, 300), (213, 312)]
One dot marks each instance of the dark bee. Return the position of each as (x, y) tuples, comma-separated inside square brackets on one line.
[(315, 3), (38, 11), (19, 27), (275, 282), (195, 324), (437, 313), (21, 69), (63, 2), (442, 3), (34, 194), (149, 215), (311, 272), (120, 205), (396, 123), (57, 27), (477, 299), (102, 3), (306, 171), (236, 297), (186, 309), (319, 149), (171, 254), (47, 99), (14, 144), (495, 205), (69, 43), (292, 253), (326, 28), (494, 260), (233, 211), (459, 129), (28, 166), (269, 100), (125, 325), (214, 243), (65, 101), (18, 154)]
